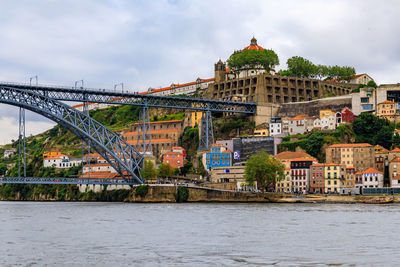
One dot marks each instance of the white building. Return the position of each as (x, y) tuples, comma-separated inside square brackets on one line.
[(91, 106), (61, 162), (181, 89), (9, 152), (328, 123), (297, 124), (372, 178), (275, 126), (98, 167)]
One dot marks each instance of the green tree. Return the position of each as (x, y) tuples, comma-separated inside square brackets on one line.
[(264, 169), (252, 58), (165, 170), (372, 84), (301, 67), (368, 128), (148, 171), (396, 140), (314, 144)]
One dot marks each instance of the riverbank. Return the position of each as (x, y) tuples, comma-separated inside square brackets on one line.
[(167, 194)]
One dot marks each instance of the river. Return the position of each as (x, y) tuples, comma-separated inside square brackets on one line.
[(126, 234)]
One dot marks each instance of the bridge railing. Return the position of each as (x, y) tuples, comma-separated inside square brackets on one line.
[(63, 180)]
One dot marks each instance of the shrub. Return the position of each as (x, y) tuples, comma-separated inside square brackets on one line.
[(182, 194), (142, 190)]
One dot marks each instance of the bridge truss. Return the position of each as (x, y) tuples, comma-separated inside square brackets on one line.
[(118, 153)]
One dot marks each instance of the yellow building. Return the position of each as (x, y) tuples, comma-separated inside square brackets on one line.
[(334, 175), (195, 118), (51, 154), (349, 182), (326, 113), (261, 132), (284, 185), (386, 109)]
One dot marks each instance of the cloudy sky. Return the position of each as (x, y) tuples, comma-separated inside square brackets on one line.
[(155, 43)]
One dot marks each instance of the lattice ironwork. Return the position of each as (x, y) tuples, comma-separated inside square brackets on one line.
[(144, 132), (206, 131), (125, 98), (62, 180), (118, 153)]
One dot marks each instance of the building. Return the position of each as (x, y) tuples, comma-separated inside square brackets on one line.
[(297, 124), (218, 156), (387, 110), (358, 183), (190, 88), (164, 135), (372, 178), (347, 115), (300, 174), (275, 126), (228, 174), (175, 158), (91, 106), (381, 158), (394, 172), (356, 79), (261, 133), (251, 145), (285, 185), (289, 155), (334, 175), (94, 168), (349, 182), (327, 119), (51, 154), (193, 118), (61, 161), (317, 178), (360, 156), (8, 153)]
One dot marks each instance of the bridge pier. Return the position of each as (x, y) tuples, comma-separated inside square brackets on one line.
[(144, 132), (21, 142), (206, 131)]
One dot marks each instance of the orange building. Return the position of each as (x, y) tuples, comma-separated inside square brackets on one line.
[(175, 158), (386, 109)]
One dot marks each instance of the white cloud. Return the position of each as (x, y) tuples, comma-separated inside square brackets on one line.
[(155, 43)]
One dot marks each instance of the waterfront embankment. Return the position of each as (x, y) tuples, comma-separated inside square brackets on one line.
[(169, 194)]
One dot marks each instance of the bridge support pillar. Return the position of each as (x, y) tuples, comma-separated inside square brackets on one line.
[(21, 143), (206, 131), (144, 132)]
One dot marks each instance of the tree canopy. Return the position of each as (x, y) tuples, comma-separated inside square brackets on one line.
[(148, 171), (264, 169), (165, 170), (373, 130), (252, 58), (304, 68)]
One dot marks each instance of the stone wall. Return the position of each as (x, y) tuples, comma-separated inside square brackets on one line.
[(312, 108)]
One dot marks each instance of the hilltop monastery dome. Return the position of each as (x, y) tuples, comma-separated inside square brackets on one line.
[(253, 45)]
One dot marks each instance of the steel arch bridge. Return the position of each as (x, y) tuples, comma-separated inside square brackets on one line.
[(118, 153)]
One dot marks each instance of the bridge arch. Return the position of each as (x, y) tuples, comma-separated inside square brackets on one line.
[(116, 151)]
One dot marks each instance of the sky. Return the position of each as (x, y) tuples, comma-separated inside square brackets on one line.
[(156, 43)]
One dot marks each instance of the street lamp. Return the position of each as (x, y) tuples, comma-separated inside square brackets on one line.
[(31, 78), (76, 83), (122, 87)]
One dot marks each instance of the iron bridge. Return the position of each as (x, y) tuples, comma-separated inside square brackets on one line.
[(64, 93), (61, 180)]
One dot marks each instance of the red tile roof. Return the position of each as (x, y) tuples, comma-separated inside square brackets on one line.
[(155, 132), (350, 145), (396, 159), (155, 122), (371, 170), (177, 86), (287, 155), (160, 140), (396, 150)]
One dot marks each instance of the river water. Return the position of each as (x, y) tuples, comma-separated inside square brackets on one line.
[(126, 234)]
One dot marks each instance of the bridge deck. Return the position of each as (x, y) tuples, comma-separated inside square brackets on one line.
[(61, 180), (64, 93)]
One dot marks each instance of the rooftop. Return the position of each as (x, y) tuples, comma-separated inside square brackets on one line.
[(350, 145), (371, 170)]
